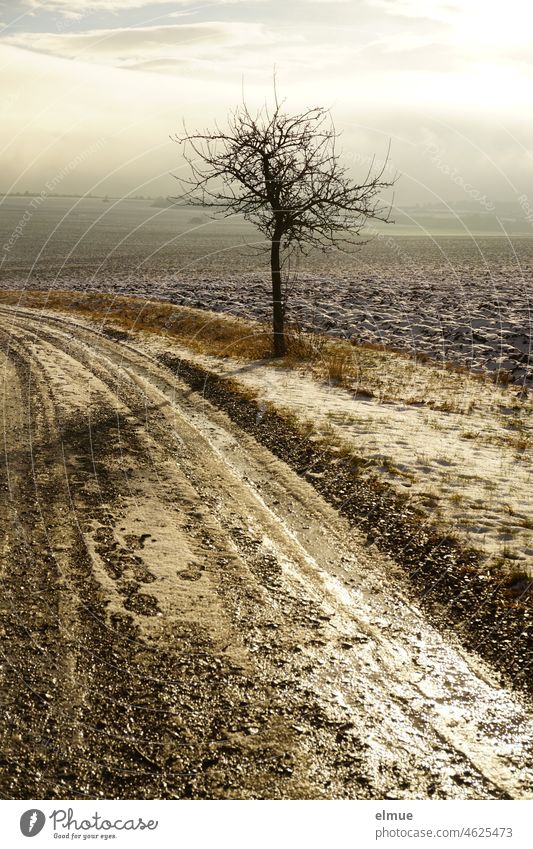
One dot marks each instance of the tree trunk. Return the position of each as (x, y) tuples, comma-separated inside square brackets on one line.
[(277, 302)]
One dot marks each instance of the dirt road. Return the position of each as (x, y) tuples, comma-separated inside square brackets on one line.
[(184, 617)]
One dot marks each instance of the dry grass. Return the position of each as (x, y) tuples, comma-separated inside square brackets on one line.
[(211, 333), (368, 370), (202, 331), (334, 360)]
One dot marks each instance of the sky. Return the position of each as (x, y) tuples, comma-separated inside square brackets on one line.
[(92, 90)]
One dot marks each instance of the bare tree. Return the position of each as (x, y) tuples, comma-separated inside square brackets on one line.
[(282, 173)]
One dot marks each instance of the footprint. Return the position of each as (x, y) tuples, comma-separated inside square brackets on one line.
[(192, 573), (142, 604)]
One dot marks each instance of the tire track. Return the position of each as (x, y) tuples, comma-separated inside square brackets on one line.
[(216, 629)]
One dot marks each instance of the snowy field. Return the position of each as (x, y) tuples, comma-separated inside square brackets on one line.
[(457, 297)]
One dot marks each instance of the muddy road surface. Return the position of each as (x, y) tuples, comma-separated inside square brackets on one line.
[(184, 617)]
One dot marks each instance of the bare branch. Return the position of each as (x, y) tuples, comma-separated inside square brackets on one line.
[(283, 173)]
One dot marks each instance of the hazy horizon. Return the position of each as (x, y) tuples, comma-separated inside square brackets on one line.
[(91, 90)]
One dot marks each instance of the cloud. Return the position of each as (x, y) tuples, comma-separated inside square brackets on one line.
[(470, 26), (438, 10), (80, 8), (130, 46), (209, 47)]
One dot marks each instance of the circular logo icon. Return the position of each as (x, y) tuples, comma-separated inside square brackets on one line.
[(32, 822)]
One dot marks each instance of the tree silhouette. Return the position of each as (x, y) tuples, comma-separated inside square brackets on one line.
[(282, 173)]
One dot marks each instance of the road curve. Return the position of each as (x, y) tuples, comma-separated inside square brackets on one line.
[(184, 617)]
